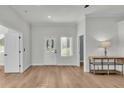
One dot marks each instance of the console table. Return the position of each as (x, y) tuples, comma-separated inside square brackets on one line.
[(105, 61)]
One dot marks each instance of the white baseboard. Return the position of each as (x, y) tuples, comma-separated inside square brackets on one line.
[(56, 65), (37, 64), (24, 69), (67, 65)]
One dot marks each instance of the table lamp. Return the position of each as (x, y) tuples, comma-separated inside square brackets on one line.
[(105, 45)]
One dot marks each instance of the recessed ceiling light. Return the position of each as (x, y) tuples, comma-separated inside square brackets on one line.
[(49, 17)]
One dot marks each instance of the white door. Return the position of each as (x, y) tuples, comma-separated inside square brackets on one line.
[(12, 52), (50, 51)]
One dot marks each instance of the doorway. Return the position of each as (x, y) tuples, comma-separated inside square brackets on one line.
[(11, 50), (81, 43), (50, 51)]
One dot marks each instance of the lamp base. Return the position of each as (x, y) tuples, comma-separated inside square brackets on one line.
[(105, 52)]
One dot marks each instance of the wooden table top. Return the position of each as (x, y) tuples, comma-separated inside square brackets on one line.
[(106, 57)]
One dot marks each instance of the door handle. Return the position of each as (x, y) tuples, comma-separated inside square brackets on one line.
[(5, 54)]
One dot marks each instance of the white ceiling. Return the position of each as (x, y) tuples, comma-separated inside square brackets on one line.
[(58, 13), (65, 13), (106, 11)]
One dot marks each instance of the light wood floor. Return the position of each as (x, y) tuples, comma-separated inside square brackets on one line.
[(59, 77)]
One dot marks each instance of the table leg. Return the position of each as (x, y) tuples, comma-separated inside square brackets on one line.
[(102, 63), (108, 66), (122, 69), (90, 65), (115, 64), (94, 66)]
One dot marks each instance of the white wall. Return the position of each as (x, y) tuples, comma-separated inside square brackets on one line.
[(81, 30), (39, 32), (81, 26), (11, 20), (100, 29), (121, 38)]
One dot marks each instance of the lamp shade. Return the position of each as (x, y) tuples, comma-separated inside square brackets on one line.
[(105, 44)]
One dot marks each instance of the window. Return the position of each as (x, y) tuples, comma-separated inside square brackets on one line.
[(1, 43), (1, 49), (66, 46)]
